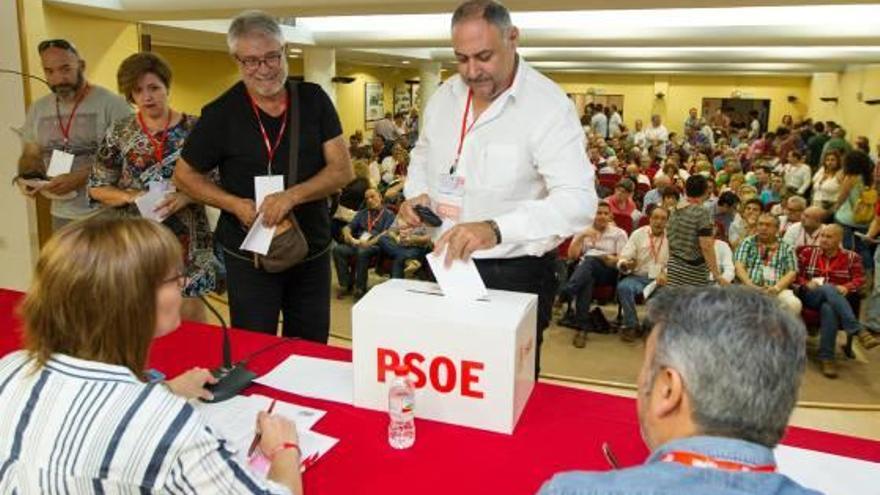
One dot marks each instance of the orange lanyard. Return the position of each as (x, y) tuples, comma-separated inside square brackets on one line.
[(767, 254), (655, 253), (158, 144), (703, 461), (65, 129), (372, 223), (270, 148)]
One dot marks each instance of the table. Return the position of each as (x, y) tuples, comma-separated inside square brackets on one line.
[(561, 428)]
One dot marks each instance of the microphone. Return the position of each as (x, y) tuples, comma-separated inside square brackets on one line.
[(231, 378), (24, 74)]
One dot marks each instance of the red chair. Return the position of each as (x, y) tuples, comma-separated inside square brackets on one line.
[(644, 220), (609, 180), (623, 221)]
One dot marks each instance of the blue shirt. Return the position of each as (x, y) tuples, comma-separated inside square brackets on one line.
[(656, 477), (364, 219)]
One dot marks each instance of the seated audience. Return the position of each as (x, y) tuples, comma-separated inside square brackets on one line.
[(655, 196), (711, 428), (798, 175), (621, 202), (642, 261), (360, 240), (598, 249), (82, 371), (793, 209), (767, 264), (827, 274), (405, 246), (726, 212), (805, 232), (826, 182), (746, 224)]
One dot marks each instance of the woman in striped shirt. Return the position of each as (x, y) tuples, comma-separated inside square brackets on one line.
[(77, 416)]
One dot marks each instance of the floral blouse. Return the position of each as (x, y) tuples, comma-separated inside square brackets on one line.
[(126, 160)]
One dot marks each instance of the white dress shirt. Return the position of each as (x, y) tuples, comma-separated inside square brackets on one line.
[(659, 133), (796, 236), (523, 162), (724, 258), (614, 124), (650, 253), (798, 177)]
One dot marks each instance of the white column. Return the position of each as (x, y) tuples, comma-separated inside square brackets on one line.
[(429, 80), (18, 228), (319, 67)]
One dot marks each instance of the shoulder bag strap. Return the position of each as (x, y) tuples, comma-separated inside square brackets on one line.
[(293, 113)]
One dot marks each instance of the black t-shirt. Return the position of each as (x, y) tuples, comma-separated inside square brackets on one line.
[(228, 136)]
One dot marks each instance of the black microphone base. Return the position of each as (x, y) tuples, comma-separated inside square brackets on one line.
[(229, 382)]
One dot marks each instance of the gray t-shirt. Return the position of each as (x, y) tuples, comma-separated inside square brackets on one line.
[(97, 111)]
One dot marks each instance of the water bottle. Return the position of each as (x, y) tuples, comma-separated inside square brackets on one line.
[(401, 410)]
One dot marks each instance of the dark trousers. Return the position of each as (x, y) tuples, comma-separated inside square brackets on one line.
[(342, 254), (532, 274), (591, 271), (301, 294), (835, 313), (400, 254)]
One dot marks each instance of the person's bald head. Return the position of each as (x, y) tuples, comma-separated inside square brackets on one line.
[(662, 181), (812, 218)]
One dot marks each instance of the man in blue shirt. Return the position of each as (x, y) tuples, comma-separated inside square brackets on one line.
[(716, 389), (361, 242)]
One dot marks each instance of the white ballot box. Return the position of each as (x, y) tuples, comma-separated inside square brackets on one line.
[(472, 362)]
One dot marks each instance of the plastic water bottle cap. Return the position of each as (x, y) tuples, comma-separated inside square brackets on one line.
[(401, 370)]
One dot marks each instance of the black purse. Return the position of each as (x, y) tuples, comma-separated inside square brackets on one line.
[(289, 246)]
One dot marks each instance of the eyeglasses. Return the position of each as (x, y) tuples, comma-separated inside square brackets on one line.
[(56, 43), (272, 61), (179, 278)]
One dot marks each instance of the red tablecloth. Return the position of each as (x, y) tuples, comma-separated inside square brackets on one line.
[(561, 428)]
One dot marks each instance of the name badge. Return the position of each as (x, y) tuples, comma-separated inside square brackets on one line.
[(450, 201), (365, 237), (653, 271), (60, 163), (265, 185), (769, 274)]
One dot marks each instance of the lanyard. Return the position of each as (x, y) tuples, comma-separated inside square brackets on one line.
[(65, 129), (823, 266), (158, 145), (767, 254), (271, 149), (465, 129), (655, 253), (372, 223), (703, 461)]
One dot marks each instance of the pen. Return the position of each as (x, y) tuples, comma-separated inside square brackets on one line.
[(609, 456), (257, 436)]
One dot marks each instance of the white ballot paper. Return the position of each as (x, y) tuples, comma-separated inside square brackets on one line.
[(60, 163), (460, 280), (39, 184), (313, 377), (828, 473), (259, 238), (146, 203), (649, 289), (235, 420), (265, 185)]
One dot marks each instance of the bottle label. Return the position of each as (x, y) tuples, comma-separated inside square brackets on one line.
[(407, 405)]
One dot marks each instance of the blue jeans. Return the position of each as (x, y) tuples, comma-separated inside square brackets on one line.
[(342, 253), (872, 303), (589, 272), (835, 313), (854, 243), (399, 254), (627, 290)]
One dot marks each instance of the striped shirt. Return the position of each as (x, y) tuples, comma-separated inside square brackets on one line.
[(77, 426), (765, 266)]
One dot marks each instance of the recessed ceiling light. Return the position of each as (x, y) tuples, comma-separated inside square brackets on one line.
[(405, 62)]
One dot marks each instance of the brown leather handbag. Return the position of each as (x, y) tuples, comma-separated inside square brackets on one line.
[(289, 246)]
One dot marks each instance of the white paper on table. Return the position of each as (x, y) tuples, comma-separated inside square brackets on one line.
[(313, 377), (61, 163), (147, 202), (649, 289), (461, 279), (235, 420), (828, 473), (265, 185), (259, 238)]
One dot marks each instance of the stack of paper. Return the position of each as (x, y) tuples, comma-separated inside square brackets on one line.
[(235, 420), (312, 377)]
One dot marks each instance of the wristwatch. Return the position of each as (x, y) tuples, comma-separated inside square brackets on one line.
[(494, 225)]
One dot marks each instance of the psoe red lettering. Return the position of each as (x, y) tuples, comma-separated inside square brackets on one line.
[(443, 375)]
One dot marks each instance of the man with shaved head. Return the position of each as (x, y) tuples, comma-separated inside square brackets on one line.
[(827, 274), (805, 232)]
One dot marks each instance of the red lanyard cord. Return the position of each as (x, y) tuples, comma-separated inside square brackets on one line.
[(270, 148), (703, 461), (158, 144), (465, 129), (65, 129)]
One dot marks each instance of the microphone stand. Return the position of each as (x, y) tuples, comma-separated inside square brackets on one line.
[(231, 378)]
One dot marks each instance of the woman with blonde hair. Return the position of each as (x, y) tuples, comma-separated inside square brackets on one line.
[(79, 416)]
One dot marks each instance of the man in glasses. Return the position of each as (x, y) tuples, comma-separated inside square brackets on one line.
[(246, 133), (62, 131)]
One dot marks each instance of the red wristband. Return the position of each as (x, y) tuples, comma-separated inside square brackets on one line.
[(284, 446)]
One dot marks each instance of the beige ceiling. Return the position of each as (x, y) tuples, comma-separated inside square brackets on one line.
[(672, 40)]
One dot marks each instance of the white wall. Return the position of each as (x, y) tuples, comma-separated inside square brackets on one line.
[(18, 224)]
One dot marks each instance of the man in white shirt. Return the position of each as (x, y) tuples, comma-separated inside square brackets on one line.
[(513, 191), (798, 175), (637, 137), (615, 122), (805, 232), (792, 209), (643, 260), (692, 121), (657, 135), (598, 248), (599, 122)]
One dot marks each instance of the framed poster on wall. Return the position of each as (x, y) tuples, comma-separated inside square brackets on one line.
[(402, 99), (374, 101)]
